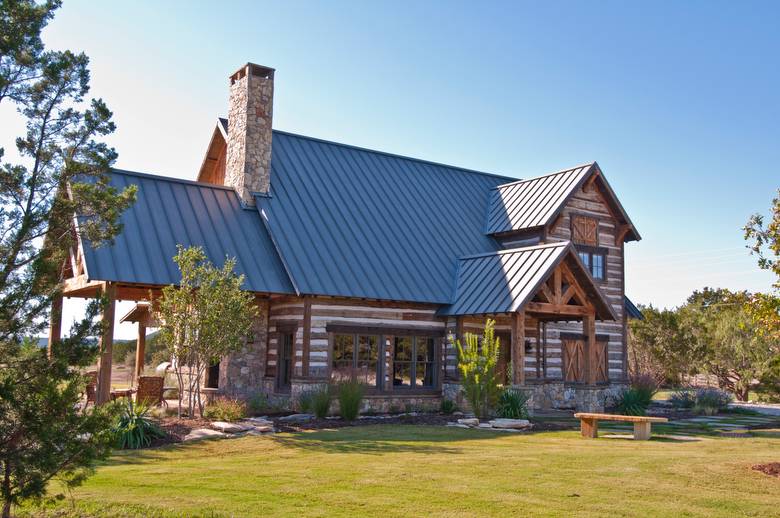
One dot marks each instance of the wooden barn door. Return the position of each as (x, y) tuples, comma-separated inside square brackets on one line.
[(573, 360), (601, 362)]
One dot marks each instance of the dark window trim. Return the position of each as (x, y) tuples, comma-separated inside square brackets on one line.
[(388, 330), (413, 366), (380, 374), (389, 333), (591, 251), (291, 370)]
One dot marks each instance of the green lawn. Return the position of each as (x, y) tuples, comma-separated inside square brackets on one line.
[(387, 471)]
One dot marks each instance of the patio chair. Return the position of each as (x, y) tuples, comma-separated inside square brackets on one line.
[(150, 391), (91, 389)]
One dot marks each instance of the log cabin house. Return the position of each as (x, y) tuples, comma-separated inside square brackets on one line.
[(368, 265)]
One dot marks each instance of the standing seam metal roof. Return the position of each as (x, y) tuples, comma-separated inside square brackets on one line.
[(168, 212), (360, 223), (503, 282), (532, 203)]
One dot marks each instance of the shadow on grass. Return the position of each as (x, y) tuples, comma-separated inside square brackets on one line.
[(383, 439)]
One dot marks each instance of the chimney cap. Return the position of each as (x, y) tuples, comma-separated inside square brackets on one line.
[(253, 69)]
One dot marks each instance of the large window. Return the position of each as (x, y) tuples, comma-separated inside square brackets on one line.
[(356, 357), (414, 362), (595, 260), (385, 362)]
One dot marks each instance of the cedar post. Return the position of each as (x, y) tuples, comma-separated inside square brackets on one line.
[(103, 394), (306, 346), (518, 348), (140, 348), (589, 330), (55, 322)]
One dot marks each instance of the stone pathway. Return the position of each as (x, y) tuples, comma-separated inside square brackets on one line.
[(729, 425)]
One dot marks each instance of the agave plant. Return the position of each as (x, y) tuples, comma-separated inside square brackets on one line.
[(135, 427)]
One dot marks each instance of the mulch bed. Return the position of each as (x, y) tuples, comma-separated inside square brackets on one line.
[(772, 469)]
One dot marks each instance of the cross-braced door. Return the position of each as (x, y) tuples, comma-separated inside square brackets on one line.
[(601, 365), (574, 361)]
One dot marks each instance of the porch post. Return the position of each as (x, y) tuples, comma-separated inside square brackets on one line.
[(140, 348), (518, 348), (589, 330), (55, 323), (103, 394)]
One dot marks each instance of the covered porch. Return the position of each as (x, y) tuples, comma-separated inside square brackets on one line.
[(524, 290)]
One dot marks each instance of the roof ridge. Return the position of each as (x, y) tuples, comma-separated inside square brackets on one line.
[(394, 155), (173, 179), (519, 249), (562, 171)]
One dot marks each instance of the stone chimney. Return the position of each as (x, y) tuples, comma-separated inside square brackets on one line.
[(250, 112)]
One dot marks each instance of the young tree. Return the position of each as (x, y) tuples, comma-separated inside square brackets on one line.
[(732, 351), (661, 346), (206, 317), (764, 308), (61, 171), (477, 362)]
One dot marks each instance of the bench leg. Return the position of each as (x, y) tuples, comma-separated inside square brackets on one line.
[(641, 431), (589, 428)]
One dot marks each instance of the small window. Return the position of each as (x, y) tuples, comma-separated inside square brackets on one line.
[(594, 260), (584, 230)]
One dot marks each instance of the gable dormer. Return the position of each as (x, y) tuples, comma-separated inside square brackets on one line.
[(524, 211)]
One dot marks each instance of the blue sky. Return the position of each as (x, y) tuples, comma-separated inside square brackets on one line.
[(676, 101)]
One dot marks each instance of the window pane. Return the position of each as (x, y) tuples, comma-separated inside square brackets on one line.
[(403, 348), (585, 258), (368, 354), (402, 361), (402, 374), (598, 266), (424, 349), (343, 348), (424, 374)]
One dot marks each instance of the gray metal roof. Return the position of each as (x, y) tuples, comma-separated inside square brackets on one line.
[(532, 203), (631, 310), (503, 282), (170, 212), (360, 223)]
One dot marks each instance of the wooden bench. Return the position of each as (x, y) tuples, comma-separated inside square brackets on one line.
[(589, 424)]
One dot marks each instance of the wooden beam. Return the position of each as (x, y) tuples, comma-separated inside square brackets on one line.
[(557, 286), (140, 349), (306, 337), (558, 309), (55, 323), (80, 286), (518, 348), (103, 394), (620, 233), (589, 330)]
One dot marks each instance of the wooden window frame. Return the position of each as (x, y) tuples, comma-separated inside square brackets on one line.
[(283, 328), (355, 344), (413, 388), (594, 251), (388, 333)]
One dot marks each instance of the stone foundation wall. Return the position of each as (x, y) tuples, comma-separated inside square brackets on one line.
[(561, 396), (241, 374)]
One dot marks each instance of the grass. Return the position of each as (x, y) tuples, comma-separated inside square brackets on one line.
[(434, 471)]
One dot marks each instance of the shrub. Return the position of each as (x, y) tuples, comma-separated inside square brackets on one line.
[(710, 400), (683, 398), (632, 402), (257, 404), (320, 401), (350, 396), (512, 404), (477, 361), (135, 427), (225, 409), (645, 385), (448, 406), (305, 401)]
